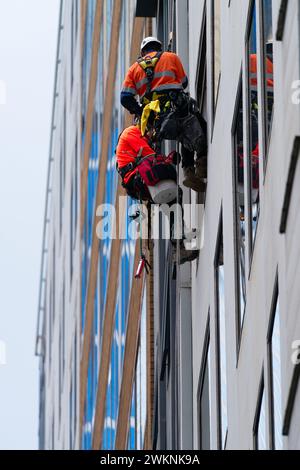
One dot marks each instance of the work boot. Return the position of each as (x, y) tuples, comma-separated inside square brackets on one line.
[(201, 168), (192, 181)]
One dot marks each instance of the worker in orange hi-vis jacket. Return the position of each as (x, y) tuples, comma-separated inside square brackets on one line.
[(158, 75), (140, 168), (255, 154), (131, 147), (138, 164)]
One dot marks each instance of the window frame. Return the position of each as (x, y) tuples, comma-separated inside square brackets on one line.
[(275, 302), (201, 78), (215, 89), (248, 150), (220, 238), (201, 70), (266, 134), (259, 403), (204, 365), (239, 323)]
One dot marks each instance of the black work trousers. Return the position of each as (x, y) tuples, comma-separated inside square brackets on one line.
[(185, 125)]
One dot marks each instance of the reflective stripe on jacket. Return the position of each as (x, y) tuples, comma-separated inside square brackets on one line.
[(169, 74), (253, 72)]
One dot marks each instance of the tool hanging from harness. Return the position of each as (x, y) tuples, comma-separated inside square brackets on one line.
[(143, 263)]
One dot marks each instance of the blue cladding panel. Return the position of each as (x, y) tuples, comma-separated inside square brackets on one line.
[(127, 252)]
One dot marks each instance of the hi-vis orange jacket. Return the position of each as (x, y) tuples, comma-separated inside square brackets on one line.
[(253, 72), (169, 74), (131, 145)]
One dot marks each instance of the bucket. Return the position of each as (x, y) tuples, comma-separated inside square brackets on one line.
[(163, 192)]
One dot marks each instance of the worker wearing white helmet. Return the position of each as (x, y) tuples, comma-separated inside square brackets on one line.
[(159, 75), (150, 40), (154, 71)]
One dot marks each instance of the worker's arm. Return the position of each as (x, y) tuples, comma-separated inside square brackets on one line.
[(129, 102), (180, 72), (128, 94), (185, 82)]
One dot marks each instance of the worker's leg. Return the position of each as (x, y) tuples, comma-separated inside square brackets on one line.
[(193, 139), (192, 135), (191, 179), (166, 128)]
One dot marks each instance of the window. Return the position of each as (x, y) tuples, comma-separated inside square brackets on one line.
[(201, 75), (274, 357), (204, 397), (253, 149), (216, 44), (221, 339), (268, 64), (281, 20), (260, 424), (239, 209)]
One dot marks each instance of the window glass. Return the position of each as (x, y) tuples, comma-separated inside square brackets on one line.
[(254, 157), (276, 381), (205, 405), (239, 182), (261, 431), (216, 47), (268, 63), (221, 343)]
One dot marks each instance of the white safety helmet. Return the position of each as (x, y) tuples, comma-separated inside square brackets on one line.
[(148, 40)]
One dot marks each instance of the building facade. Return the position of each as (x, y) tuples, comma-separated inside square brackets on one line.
[(196, 356)]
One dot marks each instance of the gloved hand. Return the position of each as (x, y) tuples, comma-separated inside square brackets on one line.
[(138, 110)]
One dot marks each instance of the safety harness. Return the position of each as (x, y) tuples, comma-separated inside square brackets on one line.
[(148, 64), (132, 165), (150, 170)]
